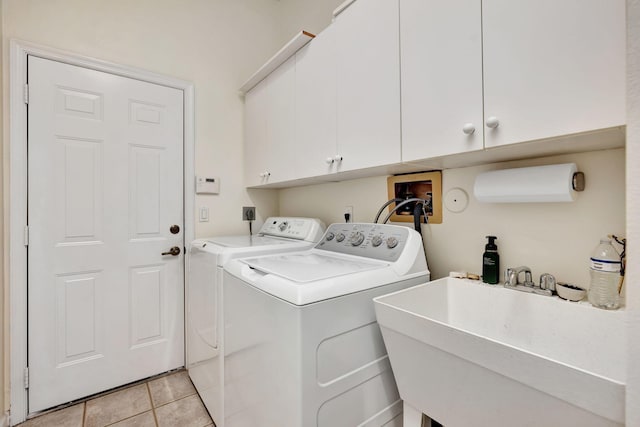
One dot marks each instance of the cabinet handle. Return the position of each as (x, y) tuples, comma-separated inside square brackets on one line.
[(337, 158), (329, 160), (468, 128), (492, 122)]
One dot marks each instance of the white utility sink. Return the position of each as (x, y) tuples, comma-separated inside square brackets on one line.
[(470, 354)]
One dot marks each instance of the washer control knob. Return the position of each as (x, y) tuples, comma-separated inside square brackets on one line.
[(392, 242), (283, 225), (356, 238), (376, 241), (340, 237), (330, 236)]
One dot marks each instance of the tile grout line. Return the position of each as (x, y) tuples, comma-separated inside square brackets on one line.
[(84, 413), (153, 405)]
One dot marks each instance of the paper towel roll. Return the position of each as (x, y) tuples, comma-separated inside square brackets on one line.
[(553, 183)]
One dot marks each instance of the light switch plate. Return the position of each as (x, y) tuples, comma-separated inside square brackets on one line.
[(204, 214)]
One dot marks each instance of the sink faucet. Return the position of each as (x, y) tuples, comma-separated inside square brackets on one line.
[(512, 281), (512, 276)]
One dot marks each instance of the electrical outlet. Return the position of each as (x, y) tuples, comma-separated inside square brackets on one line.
[(348, 213), (248, 213)]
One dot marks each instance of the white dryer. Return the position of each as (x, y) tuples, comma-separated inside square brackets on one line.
[(302, 346), (206, 260)]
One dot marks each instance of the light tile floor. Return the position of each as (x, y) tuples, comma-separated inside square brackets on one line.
[(167, 401)]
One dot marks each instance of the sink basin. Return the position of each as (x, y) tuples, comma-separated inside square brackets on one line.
[(466, 353)]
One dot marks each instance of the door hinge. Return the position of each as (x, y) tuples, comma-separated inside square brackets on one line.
[(26, 377), (26, 235), (26, 93)]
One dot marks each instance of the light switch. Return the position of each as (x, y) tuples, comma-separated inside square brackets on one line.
[(204, 214)]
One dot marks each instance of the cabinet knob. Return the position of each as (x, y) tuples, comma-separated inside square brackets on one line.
[(329, 160), (265, 174), (262, 175), (492, 122), (468, 128), (337, 158)]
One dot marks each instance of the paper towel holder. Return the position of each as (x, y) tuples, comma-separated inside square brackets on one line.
[(537, 184)]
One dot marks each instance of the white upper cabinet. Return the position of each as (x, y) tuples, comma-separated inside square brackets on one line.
[(368, 84), (441, 57), (479, 74), (281, 113), (255, 135), (552, 67), (269, 131), (421, 81), (316, 121)]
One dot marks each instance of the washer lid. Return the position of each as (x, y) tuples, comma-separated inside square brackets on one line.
[(311, 266), (246, 241)]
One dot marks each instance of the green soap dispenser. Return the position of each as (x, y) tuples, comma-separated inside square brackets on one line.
[(491, 262)]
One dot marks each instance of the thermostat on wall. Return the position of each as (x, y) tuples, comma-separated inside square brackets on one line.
[(207, 185)]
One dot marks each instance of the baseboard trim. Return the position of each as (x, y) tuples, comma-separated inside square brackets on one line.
[(4, 419)]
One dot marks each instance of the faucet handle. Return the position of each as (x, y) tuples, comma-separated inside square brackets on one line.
[(547, 281), (510, 277)]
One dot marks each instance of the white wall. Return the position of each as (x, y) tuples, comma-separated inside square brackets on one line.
[(214, 44), (633, 212), (554, 238), (309, 15)]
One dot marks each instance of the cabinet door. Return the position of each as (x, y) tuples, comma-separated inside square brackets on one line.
[(316, 105), (441, 77), (280, 155), (368, 83), (552, 67), (255, 135)]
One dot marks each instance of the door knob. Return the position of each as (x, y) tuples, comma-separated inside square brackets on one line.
[(174, 229), (175, 251)]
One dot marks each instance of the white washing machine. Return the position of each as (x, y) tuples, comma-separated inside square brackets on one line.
[(206, 260), (302, 347)]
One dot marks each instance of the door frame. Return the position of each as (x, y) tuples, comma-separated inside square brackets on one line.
[(15, 195)]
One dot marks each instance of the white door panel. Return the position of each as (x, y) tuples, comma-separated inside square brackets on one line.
[(105, 185)]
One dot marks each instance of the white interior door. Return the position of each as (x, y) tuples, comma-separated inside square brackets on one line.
[(105, 186)]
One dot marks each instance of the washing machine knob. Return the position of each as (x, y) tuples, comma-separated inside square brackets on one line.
[(340, 237), (376, 241), (330, 236), (283, 225), (356, 238), (392, 242)]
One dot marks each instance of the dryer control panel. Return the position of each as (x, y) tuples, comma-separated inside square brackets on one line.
[(378, 241), (309, 229)]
